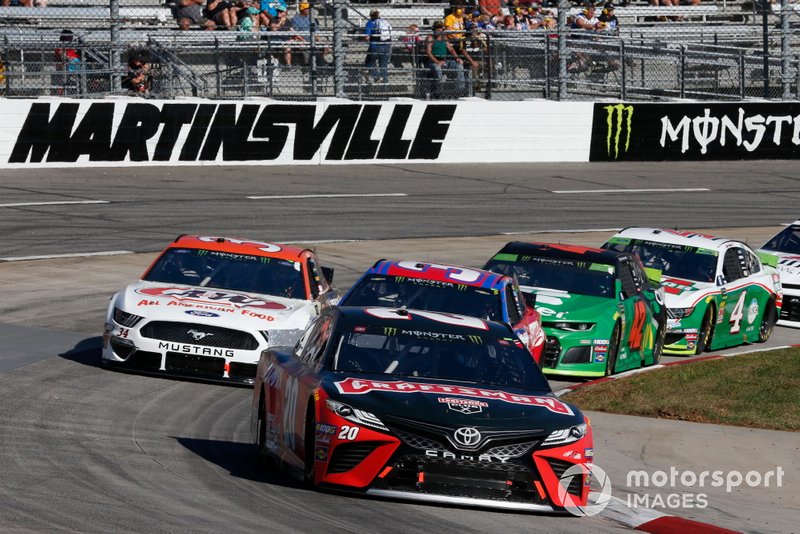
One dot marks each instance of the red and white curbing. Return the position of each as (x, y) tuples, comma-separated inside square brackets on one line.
[(626, 374), (655, 522), (647, 519)]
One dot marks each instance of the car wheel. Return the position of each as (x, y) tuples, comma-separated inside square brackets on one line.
[(309, 445), (613, 349), (768, 321), (658, 348), (706, 331)]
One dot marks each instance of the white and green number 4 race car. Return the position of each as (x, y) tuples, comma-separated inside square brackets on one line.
[(718, 292)]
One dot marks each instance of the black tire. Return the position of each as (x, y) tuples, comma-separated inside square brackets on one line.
[(706, 332), (768, 321), (658, 348), (613, 350), (309, 445)]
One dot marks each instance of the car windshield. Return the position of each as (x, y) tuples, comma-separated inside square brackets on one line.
[(225, 270), (679, 261), (432, 295), (573, 276), (788, 240), (479, 358)]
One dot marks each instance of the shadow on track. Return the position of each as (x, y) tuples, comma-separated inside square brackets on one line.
[(240, 460), (86, 352)]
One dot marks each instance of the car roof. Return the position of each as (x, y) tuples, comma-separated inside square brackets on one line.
[(564, 252), (439, 272), (677, 237), (412, 319), (239, 246)]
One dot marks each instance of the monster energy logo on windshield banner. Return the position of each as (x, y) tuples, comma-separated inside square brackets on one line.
[(616, 122), (389, 331), (475, 339)]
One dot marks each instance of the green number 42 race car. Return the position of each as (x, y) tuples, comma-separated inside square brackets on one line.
[(718, 292), (600, 312)]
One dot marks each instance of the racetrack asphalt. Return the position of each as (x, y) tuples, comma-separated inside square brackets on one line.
[(93, 450)]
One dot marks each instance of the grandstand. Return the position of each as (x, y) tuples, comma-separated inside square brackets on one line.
[(710, 51)]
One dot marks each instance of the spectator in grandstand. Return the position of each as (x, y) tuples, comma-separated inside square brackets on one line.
[(541, 18), (608, 18), (137, 78), (302, 24), (68, 60), (222, 12), (491, 8), (191, 9), (440, 56), (18, 3), (184, 24), (378, 32), (209, 25), (273, 10), (585, 21), (454, 22), (248, 15), (411, 50)]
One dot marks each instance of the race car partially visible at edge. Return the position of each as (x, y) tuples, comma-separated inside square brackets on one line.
[(208, 306), (786, 245), (717, 291), (451, 289), (600, 311), (423, 406)]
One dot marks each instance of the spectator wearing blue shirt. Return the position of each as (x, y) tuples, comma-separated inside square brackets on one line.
[(379, 34), (301, 22)]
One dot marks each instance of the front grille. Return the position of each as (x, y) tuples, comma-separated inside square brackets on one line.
[(790, 310), (192, 364), (552, 350), (348, 455), (671, 339), (197, 334), (462, 477), (144, 361), (513, 450), (122, 350), (575, 486), (242, 370), (581, 354), (418, 442)]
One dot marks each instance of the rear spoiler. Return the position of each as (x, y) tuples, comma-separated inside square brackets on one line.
[(654, 275), (771, 260)]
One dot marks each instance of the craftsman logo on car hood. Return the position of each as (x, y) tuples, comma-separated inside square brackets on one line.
[(357, 386)]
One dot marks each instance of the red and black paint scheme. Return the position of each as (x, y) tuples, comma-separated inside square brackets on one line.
[(420, 405), (451, 289)]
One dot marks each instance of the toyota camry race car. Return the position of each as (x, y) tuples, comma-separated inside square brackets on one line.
[(423, 406), (452, 289), (208, 306), (717, 291), (600, 312), (786, 246)]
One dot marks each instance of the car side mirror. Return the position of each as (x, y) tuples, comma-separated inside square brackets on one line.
[(721, 280), (327, 272), (530, 299)]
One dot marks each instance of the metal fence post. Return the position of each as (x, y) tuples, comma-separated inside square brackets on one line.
[(623, 76), (547, 88), (218, 68), (338, 49), (742, 74), (785, 52), (682, 71), (563, 7), (6, 64), (113, 57), (765, 7), (312, 30)]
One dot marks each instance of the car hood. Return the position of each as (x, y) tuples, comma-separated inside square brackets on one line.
[(682, 293), (173, 302), (451, 404), (557, 306)]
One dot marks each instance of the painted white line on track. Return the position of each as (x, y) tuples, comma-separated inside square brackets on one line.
[(573, 231), (331, 195), (76, 255), (54, 203), (619, 191)]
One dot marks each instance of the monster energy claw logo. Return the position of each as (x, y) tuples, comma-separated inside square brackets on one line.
[(475, 339), (615, 126), (389, 331)]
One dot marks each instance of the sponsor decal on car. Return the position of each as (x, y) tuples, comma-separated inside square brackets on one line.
[(324, 432), (357, 386), (752, 311), (321, 453), (465, 406), (181, 296), (201, 313), (191, 349)]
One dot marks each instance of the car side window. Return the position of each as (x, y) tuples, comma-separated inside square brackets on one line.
[(513, 305), (626, 277), (311, 332), (753, 265), (732, 264)]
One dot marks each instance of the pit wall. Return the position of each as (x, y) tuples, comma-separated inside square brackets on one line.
[(129, 132)]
